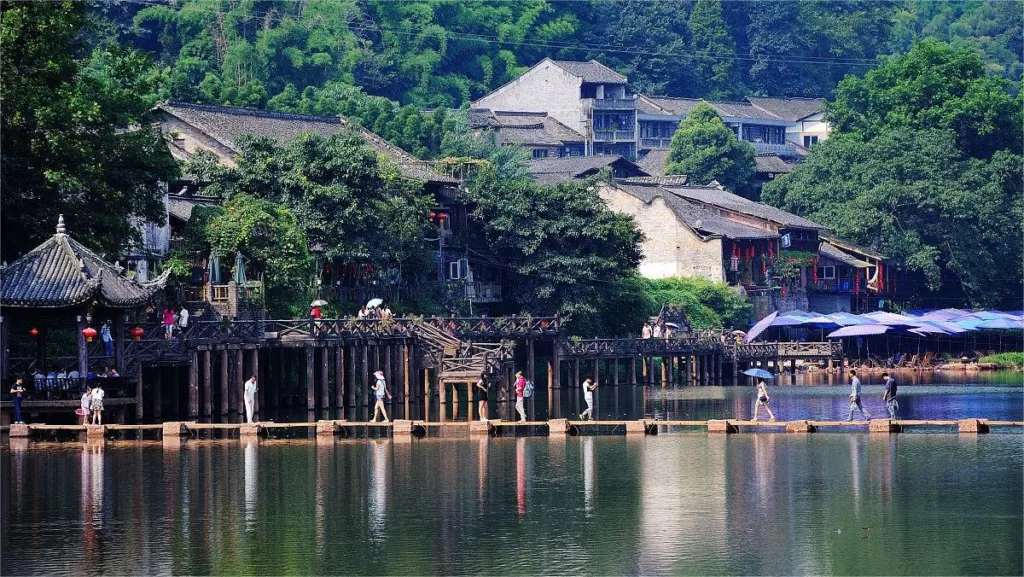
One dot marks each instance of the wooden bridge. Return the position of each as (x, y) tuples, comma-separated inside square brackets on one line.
[(323, 366)]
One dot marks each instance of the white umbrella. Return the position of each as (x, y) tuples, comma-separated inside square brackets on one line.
[(374, 303), (318, 303)]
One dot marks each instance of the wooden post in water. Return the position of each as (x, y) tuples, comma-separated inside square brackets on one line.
[(339, 381), (596, 371), (207, 384), (350, 392), (157, 400), (193, 385), (139, 407), (632, 371), (426, 394), (223, 383), (118, 342), (555, 379), (256, 402), (236, 384), (325, 384), (575, 373), (364, 374), (615, 371), (310, 378)]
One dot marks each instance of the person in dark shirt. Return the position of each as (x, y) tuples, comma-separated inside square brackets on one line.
[(889, 396)]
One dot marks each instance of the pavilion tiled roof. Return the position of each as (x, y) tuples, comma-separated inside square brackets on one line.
[(63, 273)]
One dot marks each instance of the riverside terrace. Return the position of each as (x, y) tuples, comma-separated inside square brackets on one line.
[(321, 369)]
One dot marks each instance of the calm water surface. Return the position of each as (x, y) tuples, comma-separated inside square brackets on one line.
[(828, 503)]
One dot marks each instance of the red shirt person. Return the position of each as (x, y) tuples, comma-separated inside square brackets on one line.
[(520, 387)]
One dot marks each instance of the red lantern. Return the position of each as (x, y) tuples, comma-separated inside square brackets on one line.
[(443, 215), (433, 215), (89, 333), (34, 332), (137, 333)]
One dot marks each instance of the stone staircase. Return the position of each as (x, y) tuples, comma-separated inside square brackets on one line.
[(462, 361)]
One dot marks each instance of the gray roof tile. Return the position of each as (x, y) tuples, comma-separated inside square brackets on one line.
[(591, 71), (63, 273), (697, 218), (719, 197), (772, 164), (552, 170), (792, 109)]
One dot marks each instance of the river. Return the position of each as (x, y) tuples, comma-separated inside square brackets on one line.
[(686, 503)]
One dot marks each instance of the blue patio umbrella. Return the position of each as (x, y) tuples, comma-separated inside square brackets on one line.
[(759, 373), (1001, 323), (759, 327)]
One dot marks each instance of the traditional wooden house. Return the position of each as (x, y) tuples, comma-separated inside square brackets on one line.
[(850, 278), (58, 300)]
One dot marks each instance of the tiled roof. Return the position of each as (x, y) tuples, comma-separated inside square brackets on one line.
[(854, 248), (527, 128), (591, 71), (697, 218), (654, 161), (553, 170), (772, 164), (828, 250), (226, 124), (675, 106), (683, 106), (717, 196), (792, 109), (180, 207), (670, 180), (63, 273)]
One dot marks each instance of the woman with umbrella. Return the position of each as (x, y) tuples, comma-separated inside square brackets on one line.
[(762, 391)]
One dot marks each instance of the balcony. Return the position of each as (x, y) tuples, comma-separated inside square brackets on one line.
[(483, 292), (610, 103), (832, 285), (614, 135), (782, 149), (655, 142)]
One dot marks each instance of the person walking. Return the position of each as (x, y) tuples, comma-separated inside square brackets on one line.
[(520, 394), (249, 397), (380, 389), (889, 396), (86, 406), (588, 395), (855, 397), (16, 392), (762, 399), (168, 323), (481, 396), (183, 319), (96, 405), (108, 341)]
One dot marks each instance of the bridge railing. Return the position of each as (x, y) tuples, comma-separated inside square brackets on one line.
[(44, 389), (626, 347)]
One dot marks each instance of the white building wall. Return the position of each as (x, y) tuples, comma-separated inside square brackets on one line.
[(545, 87), (671, 249)]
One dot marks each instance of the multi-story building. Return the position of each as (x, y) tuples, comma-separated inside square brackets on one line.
[(595, 103), (587, 97)]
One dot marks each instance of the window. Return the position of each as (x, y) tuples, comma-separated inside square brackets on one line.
[(455, 270), (826, 272), (540, 153), (809, 140)]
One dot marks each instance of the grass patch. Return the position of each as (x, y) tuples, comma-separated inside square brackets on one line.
[(1005, 360)]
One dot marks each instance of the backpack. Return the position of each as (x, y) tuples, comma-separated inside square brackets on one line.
[(528, 390)]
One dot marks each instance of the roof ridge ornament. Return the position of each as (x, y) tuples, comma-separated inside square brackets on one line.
[(61, 229)]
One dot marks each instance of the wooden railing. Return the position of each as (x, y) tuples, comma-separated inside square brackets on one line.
[(628, 347), (69, 389)]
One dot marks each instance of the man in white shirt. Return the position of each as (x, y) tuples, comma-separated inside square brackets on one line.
[(588, 395), (183, 318)]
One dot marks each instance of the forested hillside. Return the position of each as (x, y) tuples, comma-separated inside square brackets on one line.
[(443, 53)]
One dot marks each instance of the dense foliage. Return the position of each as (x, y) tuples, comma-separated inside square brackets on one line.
[(705, 149), (560, 243), (67, 95), (707, 304), (925, 167), (444, 53)]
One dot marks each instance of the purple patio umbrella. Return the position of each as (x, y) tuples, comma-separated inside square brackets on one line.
[(759, 327), (859, 331)]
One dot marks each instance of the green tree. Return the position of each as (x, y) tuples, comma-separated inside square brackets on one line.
[(714, 50), (346, 198), (934, 86), (561, 244), (270, 238), (74, 140), (914, 196), (707, 304), (705, 149)]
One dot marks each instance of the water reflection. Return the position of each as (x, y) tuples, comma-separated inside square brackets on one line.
[(521, 476), (589, 474), (251, 481), (378, 488)]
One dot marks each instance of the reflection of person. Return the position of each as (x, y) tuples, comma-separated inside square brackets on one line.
[(588, 395), (16, 391), (520, 388), (855, 396), (481, 396), (379, 390), (762, 399), (889, 396), (249, 396)]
